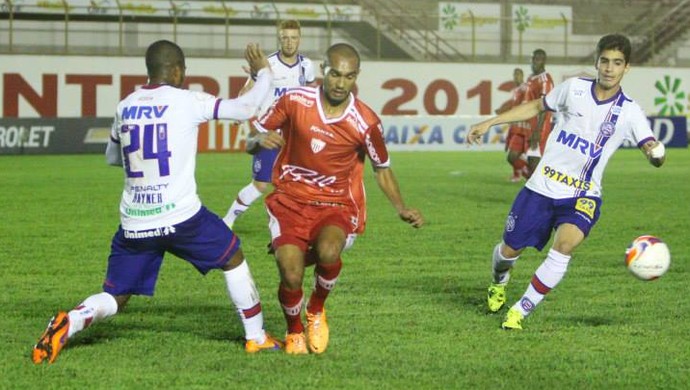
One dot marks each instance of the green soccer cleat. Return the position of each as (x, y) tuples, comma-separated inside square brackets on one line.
[(496, 296), (513, 320)]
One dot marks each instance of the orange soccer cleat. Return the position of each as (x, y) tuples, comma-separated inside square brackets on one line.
[(52, 340), (295, 344), (317, 331)]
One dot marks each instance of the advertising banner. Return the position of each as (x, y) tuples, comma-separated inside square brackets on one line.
[(437, 133), (54, 135), (401, 133), (449, 133), (464, 18), (75, 86), (671, 131)]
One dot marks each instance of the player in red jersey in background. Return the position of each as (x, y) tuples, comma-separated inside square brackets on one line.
[(318, 206), (517, 140), (539, 84)]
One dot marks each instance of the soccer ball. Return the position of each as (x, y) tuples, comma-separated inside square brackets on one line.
[(647, 257)]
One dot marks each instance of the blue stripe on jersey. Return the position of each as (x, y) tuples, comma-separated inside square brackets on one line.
[(215, 109), (606, 130)]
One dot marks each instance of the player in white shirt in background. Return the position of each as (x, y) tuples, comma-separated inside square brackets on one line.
[(290, 70), (564, 192), (154, 137)]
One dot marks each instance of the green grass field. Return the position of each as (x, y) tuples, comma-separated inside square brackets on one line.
[(409, 308)]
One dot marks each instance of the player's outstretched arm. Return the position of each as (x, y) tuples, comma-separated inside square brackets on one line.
[(246, 105), (389, 185), (655, 152), (518, 113)]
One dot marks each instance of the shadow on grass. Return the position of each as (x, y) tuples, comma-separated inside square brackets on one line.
[(584, 321), (207, 322)]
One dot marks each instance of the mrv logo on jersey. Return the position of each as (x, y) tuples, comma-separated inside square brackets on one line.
[(578, 143), (148, 112)]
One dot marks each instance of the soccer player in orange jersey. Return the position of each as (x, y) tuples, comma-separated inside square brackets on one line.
[(318, 205), (517, 140), (539, 84)]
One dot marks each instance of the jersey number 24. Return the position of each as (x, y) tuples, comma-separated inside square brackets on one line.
[(155, 147)]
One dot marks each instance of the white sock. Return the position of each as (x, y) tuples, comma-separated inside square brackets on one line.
[(501, 266), (545, 279), (243, 293), (245, 198), (93, 309)]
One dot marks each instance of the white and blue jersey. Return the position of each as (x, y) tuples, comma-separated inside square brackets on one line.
[(287, 76), (584, 138), (156, 127)]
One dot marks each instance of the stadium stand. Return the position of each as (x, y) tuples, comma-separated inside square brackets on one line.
[(388, 30)]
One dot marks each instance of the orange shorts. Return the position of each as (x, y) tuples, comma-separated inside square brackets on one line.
[(296, 223), (517, 142)]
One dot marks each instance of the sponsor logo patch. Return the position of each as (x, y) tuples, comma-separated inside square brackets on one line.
[(158, 232), (586, 205), (565, 179)]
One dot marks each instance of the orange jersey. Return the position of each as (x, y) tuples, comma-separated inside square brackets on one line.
[(538, 86), (322, 160)]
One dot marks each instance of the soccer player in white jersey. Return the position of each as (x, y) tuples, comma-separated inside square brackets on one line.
[(564, 193), (154, 137), (290, 69)]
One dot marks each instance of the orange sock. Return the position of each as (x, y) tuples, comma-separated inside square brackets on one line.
[(326, 277)]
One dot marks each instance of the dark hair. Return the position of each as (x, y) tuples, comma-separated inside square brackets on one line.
[(343, 49), (161, 56), (615, 42), (539, 51)]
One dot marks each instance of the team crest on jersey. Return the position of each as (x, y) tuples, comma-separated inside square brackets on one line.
[(510, 222), (317, 145), (607, 128)]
